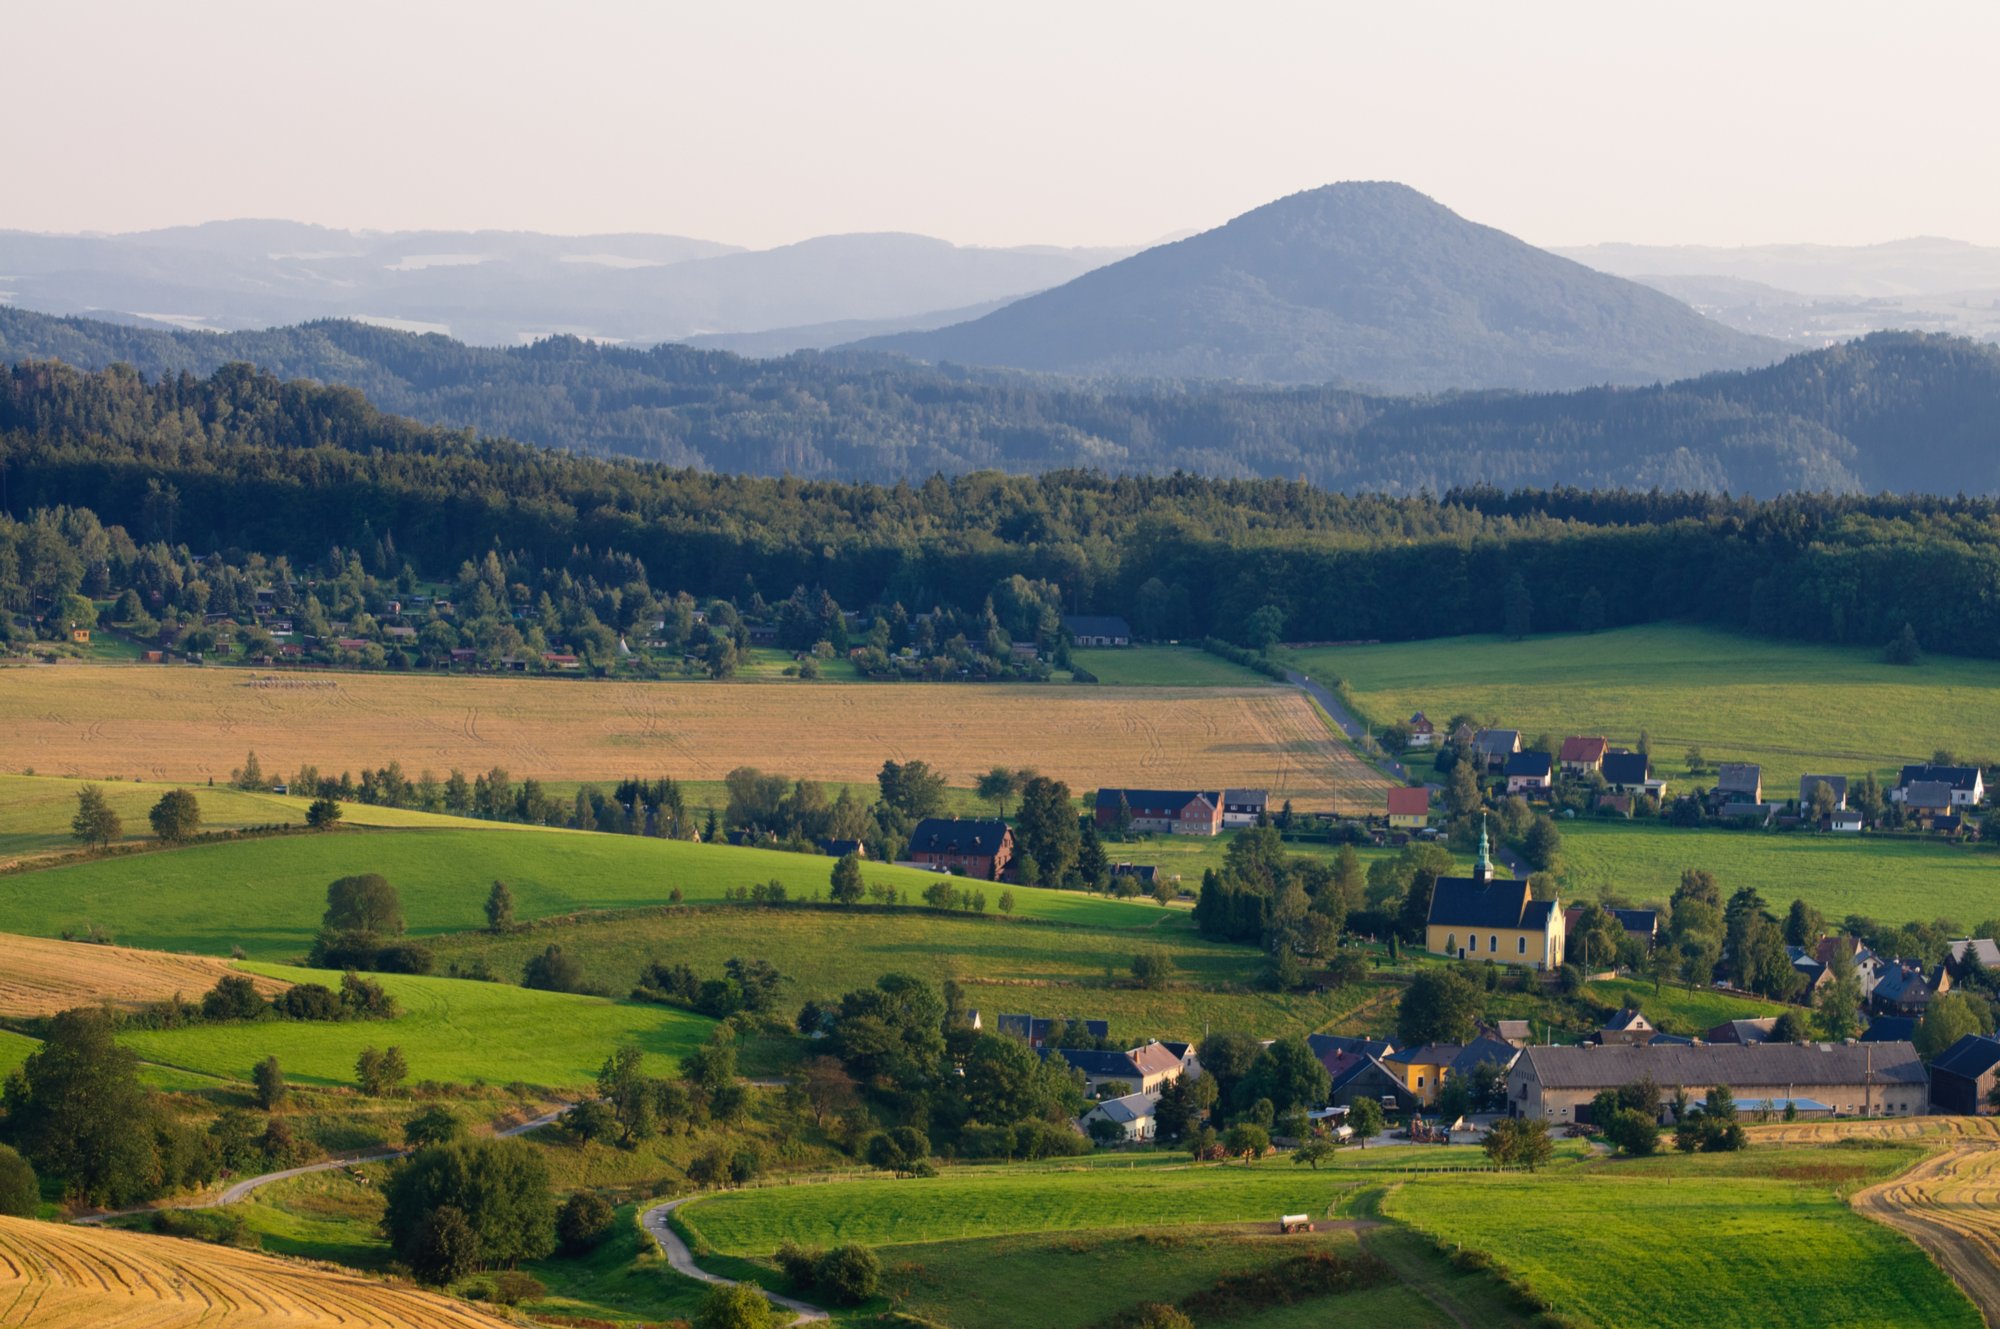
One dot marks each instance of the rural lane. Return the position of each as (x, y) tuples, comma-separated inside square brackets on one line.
[(243, 1189), (1349, 723), (682, 1259), (1938, 1205)]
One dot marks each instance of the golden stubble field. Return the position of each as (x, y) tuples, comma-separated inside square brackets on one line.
[(58, 1277), (40, 976), (178, 723)]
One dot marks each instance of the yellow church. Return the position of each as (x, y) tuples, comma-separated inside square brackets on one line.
[(1483, 917)]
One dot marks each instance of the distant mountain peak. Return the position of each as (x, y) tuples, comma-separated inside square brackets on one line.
[(1368, 282)]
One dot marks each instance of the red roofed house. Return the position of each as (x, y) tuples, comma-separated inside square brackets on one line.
[(1579, 756), (1409, 807)]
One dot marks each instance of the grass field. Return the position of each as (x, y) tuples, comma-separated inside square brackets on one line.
[(450, 1030), (268, 895), (1157, 1190), (1891, 880), (1794, 708), (1167, 667), (1709, 1240), (185, 723), (55, 1276), (41, 977), (1068, 971)]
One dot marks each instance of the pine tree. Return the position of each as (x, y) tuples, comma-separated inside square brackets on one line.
[(499, 908)]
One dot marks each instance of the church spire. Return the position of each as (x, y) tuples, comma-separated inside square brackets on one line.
[(1483, 869)]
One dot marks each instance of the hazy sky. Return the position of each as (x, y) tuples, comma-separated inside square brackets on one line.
[(1080, 122)]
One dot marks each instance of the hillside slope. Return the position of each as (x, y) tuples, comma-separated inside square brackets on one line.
[(1363, 283)]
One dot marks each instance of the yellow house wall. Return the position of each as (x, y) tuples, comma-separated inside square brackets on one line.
[(1540, 952), (1431, 1078)]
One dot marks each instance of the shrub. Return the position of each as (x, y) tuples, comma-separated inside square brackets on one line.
[(553, 971), (308, 1001), (848, 1274), (232, 998), (209, 1225), (800, 1264), (20, 1192), (592, 1120), (433, 1125), (583, 1221), (269, 1079), (511, 1287), (736, 1306)]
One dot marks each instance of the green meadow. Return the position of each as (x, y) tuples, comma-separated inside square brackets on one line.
[(450, 1030), (1795, 708), (1894, 880), (1004, 966), (1759, 1238), (1166, 667), (268, 895)]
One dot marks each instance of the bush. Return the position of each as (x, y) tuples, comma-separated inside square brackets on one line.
[(736, 1306), (553, 971), (209, 1225), (232, 998), (800, 1264), (583, 1222), (511, 1287), (307, 1001), (848, 1274), (20, 1192), (431, 1126)]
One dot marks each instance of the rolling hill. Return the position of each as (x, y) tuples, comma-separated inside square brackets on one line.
[(1364, 283)]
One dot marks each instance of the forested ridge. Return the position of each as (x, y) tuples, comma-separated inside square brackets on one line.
[(1894, 411), (241, 462)]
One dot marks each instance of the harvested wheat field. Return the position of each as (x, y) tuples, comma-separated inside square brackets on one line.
[(58, 1277), (155, 722), (39, 976), (1947, 1204)]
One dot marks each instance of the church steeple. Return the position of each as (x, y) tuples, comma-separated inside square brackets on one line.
[(1483, 869)]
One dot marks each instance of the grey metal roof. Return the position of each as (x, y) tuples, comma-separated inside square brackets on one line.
[(1769, 1065), (1739, 776), (1129, 1108)]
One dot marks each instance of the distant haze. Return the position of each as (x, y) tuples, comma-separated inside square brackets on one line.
[(1565, 122)]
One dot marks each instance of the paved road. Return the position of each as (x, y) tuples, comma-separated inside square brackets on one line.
[(1346, 719), (682, 1259), (242, 1190)]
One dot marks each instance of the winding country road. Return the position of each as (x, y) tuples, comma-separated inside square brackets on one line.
[(242, 1190), (682, 1259), (1350, 724)]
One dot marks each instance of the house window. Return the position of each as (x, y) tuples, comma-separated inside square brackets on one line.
[(1420, 1082), (1524, 944), (1493, 943)]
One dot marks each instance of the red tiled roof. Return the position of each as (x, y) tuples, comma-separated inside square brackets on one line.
[(1409, 802), (1583, 749)]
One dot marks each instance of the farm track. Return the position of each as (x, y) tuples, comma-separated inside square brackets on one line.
[(1947, 1205), (111, 722)]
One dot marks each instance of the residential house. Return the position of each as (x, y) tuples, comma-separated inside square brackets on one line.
[(1881, 1079), (1425, 1070), (1737, 782), (1143, 873), (1580, 756), (1166, 811), (1890, 1029), (1355, 1069), (1133, 1113), (1631, 773), (971, 847), (1484, 916), (1423, 733), (1462, 735), (1975, 950), (1837, 784), (1627, 1028), (1528, 773), (1744, 1032), (1190, 1063), (1146, 1069), (1620, 804), (1409, 808), (1034, 1030), (1965, 1075), (1843, 823), (1905, 989), (1516, 1033), (1642, 925), (1967, 784), (81, 636), (1492, 747), (1927, 802), (842, 848), (1242, 807), (1097, 630)]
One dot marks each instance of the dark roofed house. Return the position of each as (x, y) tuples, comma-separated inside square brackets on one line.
[(1967, 783), (1097, 630), (1905, 989), (1242, 807), (971, 847), (1166, 811), (1880, 1079), (1630, 773), (1890, 1029), (1642, 925), (1034, 1030), (1837, 784), (1743, 1032), (1517, 1033), (1737, 782), (1143, 873), (842, 848), (1492, 747), (1528, 773), (1964, 1075), (1628, 1027)]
